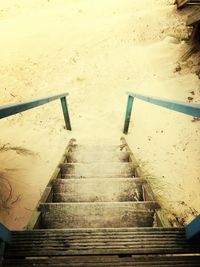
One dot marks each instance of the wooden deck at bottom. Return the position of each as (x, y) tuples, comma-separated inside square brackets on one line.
[(84, 242), (137, 261)]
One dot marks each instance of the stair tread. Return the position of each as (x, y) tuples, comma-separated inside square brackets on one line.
[(103, 156), (97, 214), (136, 180), (99, 148), (98, 190), (120, 169), (134, 241), (92, 221), (140, 205)]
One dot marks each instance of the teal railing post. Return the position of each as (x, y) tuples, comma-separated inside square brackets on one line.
[(193, 230), (65, 113), (5, 237), (128, 113), (5, 234)]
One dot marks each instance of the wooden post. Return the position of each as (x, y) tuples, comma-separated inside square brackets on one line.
[(65, 113), (128, 113)]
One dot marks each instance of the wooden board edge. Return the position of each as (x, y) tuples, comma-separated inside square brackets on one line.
[(193, 18), (47, 193), (181, 4), (133, 160), (33, 221), (161, 219), (148, 193)]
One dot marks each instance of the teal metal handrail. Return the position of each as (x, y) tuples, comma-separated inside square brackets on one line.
[(5, 237), (193, 229), (186, 108), (5, 234), (9, 110)]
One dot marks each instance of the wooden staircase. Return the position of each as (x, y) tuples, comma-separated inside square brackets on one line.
[(98, 210)]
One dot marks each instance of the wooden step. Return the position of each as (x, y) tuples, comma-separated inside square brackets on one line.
[(98, 190), (90, 170), (97, 215), (121, 241), (98, 148), (105, 261), (96, 156)]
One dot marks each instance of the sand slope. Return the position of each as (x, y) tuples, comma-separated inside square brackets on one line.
[(96, 51)]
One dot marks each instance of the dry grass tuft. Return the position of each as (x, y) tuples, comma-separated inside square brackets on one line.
[(19, 150), (6, 193)]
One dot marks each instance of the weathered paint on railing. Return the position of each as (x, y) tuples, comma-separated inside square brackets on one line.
[(65, 113), (128, 113), (9, 110), (186, 108), (5, 234), (193, 230)]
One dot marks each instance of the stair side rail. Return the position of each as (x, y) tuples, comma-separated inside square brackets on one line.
[(192, 229), (12, 109), (186, 108)]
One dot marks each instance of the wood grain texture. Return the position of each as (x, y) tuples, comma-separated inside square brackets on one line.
[(98, 190), (132, 241), (97, 214), (104, 261)]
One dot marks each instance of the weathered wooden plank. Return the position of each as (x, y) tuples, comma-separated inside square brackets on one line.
[(129, 206), (109, 261), (34, 221), (100, 214), (98, 190), (161, 219), (182, 3), (98, 148), (194, 17), (97, 156), (148, 193), (100, 241), (18, 238), (99, 236), (89, 170), (122, 233), (137, 219), (105, 230), (99, 251)]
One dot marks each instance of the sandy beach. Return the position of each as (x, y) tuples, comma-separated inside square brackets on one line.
[(97, 51)]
